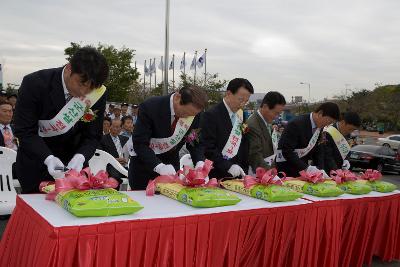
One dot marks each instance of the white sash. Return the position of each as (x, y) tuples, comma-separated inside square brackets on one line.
[(231, 147), (69, 115), (340, 142), (162, 145), (303, 151)]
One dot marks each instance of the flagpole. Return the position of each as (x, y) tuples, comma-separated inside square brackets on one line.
[(155, 73), (135, 66), (162, 71), (195, 68), (173, 71), (184, 63), (205, 67), (144, 76), (166, 55), (150, 74)]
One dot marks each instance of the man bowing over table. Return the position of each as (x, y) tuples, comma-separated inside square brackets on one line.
[(59, 118), (223, 129), (163, 126)]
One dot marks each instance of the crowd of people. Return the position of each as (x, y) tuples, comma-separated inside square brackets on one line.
[(55, 134)]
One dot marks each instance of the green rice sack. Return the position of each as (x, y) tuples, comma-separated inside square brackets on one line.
[(201, 197), (271, 193), (97, 202), (324, 189), (355, 188), (381, 186)]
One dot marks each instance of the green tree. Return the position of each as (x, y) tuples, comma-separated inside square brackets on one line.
[(122, 74)]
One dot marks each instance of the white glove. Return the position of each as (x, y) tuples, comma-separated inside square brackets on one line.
[(312, 169), (76, 163), (236, 171), (324, 174), (163, 169), (199, 165), (52, 163), (346, 165)]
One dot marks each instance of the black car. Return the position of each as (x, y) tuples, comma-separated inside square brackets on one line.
[(374, 157)]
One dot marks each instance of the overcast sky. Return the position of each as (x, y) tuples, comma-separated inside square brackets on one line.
[(274, 44)]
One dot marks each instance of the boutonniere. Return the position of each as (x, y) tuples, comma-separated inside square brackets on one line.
[(322, 139), (193, 137), (244, 128), (89, 114)]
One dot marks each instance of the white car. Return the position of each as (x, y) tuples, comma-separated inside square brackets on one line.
[(392, 141)]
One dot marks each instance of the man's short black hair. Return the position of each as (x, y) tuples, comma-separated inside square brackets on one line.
[(125, 118), (236, 83), (12, 95), (195, 95), (273, 98), (329, 109), (107, 119), (352, 118), (90, 65)]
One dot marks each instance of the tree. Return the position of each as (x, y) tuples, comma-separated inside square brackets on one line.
[(122, 74)]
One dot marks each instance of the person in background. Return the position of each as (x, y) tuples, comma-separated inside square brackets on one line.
[(260, 135), (12, 99), (127, 126), (110, 110), (302, 133), (106, 125), (329, 157), (3, 95), (116, 113), (124, 109), (227, 148), (7, 138), (135, 110)]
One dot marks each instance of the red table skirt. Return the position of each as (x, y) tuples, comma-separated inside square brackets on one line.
[(328, 233)]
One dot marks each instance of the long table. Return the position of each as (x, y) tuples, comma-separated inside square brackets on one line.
[(345, 231)]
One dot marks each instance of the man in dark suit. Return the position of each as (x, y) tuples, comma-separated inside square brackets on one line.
[(216, 129), (260, 124), (329, 157), (158, 118), (297, 135), (113, 143), (7, 138), (41, 97)]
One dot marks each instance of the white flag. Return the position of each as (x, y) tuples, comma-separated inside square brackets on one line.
[(183, 63), (146, 70), (193, 65), (153, 67), (201, 61), (172, 64), (161, 65)]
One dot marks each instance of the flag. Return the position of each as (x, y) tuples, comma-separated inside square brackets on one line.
[(183, 63), (193, 65), (161, 65), (201, 61), (153, 67), (172, 64), (146, 70)]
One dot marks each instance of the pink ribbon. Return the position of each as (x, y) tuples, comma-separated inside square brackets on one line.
[(371, 175), (341, 176), (315, 177), (192, 178), (264, 177), (82, 180)]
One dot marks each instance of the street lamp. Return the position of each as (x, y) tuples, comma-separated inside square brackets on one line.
[(309, 91)]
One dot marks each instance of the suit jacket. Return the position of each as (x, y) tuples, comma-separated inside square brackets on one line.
[(154, 121), (296, 135), (260, 142), (41, 97), (329, 157), (216, 127)]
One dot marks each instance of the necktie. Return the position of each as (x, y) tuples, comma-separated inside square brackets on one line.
[(173, 125), (8, 138), (233, 118)]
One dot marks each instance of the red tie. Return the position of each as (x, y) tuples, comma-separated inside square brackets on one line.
[(173, 125)]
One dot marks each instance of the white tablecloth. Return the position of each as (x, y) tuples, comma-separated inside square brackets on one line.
[(158, 206), (349, 196)]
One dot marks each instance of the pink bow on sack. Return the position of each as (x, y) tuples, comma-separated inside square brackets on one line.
[(82, 180), (341, 176), (264, 177), (315, 177), (192, 178), (371, 175)]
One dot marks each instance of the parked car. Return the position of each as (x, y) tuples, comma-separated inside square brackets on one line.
[(392, 141), (380, 158)]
